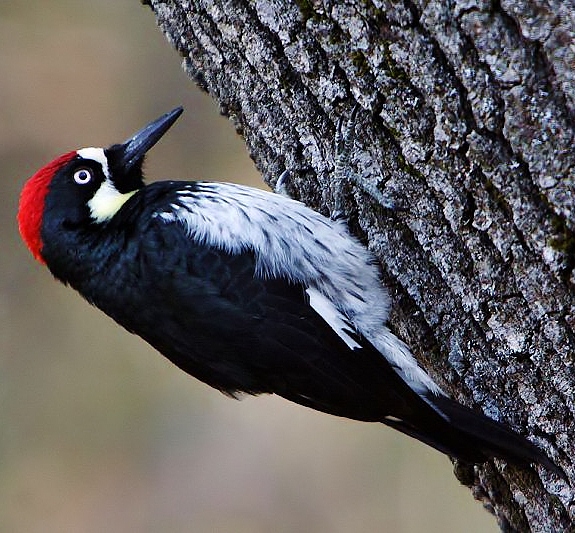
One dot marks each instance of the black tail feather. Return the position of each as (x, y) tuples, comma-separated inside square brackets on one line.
[(472, 437)]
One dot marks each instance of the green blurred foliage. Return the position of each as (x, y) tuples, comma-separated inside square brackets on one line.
[(99, 432)]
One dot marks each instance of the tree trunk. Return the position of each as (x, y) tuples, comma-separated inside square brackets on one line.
[(466, 124)]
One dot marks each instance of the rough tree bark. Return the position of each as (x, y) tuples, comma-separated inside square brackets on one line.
[(467, 124)]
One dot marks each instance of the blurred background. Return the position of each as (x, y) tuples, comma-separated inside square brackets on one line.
[(97, 431)]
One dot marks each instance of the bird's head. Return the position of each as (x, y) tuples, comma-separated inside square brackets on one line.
[(86, 186)]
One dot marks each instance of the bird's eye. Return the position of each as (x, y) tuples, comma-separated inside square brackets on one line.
[(83, 176)]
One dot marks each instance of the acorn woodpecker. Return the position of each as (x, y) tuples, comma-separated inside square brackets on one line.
[(248, 291)]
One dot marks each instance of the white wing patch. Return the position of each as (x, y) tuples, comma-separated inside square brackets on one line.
[(324, 308), (291, 241)]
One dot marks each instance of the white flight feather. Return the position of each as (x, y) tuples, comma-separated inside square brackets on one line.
[(295, 242), (333, 316)]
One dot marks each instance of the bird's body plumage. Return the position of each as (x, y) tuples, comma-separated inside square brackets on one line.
[(230, 315), (248, 291)]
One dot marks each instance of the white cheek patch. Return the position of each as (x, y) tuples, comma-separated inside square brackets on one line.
[(107, 201), (324, 308), (96, 154)]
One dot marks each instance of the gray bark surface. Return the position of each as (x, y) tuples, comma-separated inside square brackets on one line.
[(466, 124)]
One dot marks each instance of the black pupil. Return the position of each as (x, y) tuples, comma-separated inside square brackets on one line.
[(82, 175)]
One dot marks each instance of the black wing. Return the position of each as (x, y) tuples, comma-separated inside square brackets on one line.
[(208, 312)]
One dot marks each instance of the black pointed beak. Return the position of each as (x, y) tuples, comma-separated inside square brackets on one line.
[(134, 149)]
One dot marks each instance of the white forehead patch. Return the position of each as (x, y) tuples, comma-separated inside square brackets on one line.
[(96, 154)]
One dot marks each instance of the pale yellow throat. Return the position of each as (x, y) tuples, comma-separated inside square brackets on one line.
[(107, 201)]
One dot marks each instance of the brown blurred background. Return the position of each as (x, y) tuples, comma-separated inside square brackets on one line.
[(97, 431)]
